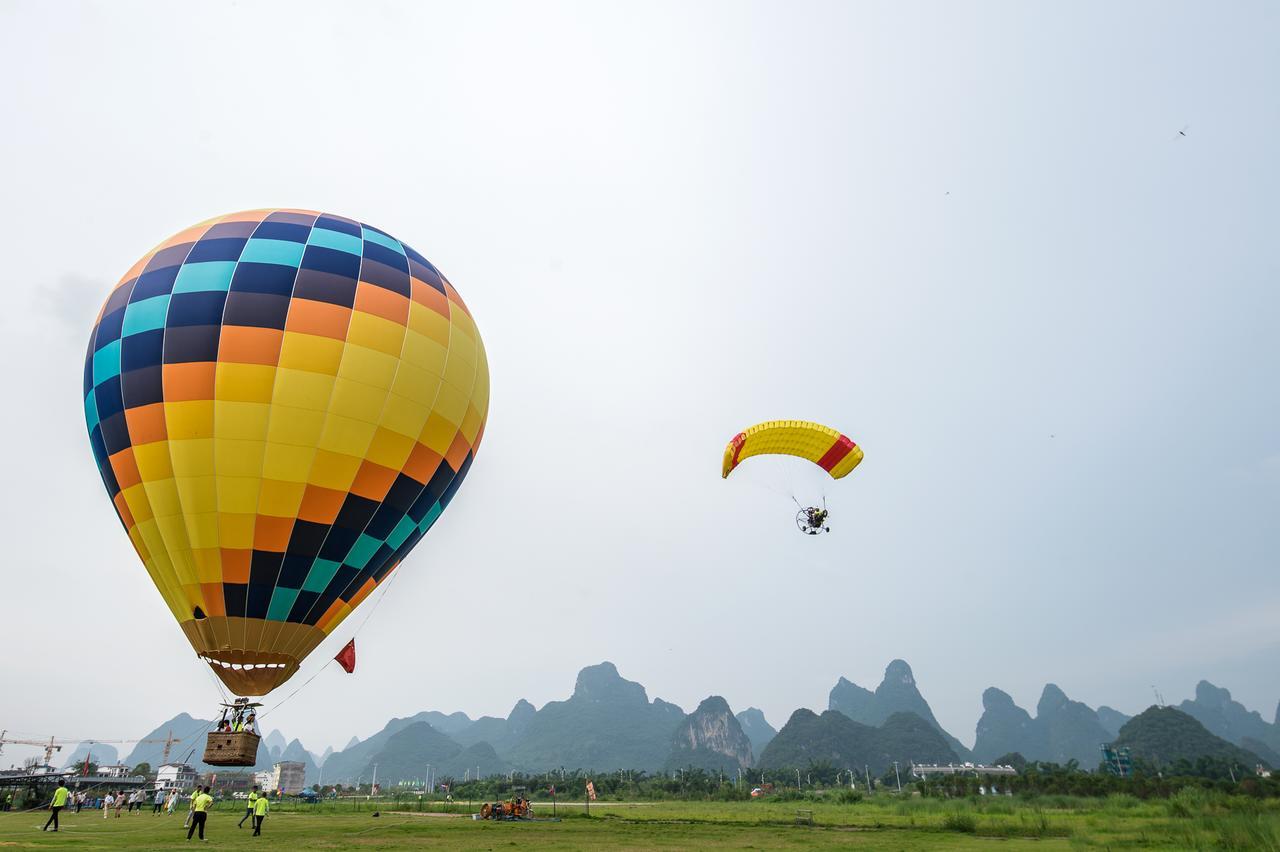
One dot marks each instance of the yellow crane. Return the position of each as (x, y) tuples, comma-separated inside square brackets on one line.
[(53, 744)]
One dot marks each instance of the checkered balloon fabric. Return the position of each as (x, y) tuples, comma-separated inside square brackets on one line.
[(281, 403)]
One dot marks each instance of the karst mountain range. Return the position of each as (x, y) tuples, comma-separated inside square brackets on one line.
[(610, 723)]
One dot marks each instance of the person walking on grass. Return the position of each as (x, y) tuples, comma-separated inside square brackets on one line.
[(260, 809), (200, 803), (57, 803), (120, 802), (107, 801), (248, 811), (172, 802), (157, 803)]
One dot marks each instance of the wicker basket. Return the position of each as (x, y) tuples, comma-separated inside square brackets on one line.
[(238, 749)]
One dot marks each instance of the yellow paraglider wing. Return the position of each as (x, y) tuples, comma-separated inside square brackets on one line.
[(822, 445)]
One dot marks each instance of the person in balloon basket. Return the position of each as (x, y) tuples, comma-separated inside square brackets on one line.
[(260, 809), (56, 804), (248, 811), (200, 803)]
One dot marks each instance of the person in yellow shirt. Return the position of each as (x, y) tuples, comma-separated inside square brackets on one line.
[(248, 811), (260, 808), (57, 803), (200, 803)]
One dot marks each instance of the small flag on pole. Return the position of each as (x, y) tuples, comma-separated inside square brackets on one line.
[(591, 791), (347, 657)]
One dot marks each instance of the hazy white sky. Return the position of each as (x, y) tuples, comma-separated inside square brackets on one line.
[(967, 234)]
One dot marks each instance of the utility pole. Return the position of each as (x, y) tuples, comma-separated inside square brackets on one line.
[(867, 770), (896, 775), (797, 779), (373, 784)]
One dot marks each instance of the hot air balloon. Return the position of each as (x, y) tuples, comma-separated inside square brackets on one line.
[(281, 403), (823, 446)]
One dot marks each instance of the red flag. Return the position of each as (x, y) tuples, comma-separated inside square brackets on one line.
[(591, 790), (347, 657)]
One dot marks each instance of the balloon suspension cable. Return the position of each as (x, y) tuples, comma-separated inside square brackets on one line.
[(303, 686), (217, 682), (385, 587)]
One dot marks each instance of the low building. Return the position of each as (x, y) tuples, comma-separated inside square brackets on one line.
[(922, 770), (175, 776), (264, 780), (289, 776), (118, 770)]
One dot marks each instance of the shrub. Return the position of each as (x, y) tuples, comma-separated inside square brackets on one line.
[(960, 821)]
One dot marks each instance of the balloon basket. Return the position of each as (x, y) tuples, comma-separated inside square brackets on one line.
[(234, 749)]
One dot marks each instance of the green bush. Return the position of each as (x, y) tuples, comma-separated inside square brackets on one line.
[(960, 821)]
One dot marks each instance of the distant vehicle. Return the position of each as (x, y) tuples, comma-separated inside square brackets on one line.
[(756, 792), (240, 794)]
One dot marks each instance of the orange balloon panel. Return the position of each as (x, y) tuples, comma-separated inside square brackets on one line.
[(280, 403)]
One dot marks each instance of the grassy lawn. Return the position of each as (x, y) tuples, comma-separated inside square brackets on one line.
[(885, 823)]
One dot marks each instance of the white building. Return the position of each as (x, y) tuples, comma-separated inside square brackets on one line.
[(264, 779), (175, 775), (118, 770), (289, 776)]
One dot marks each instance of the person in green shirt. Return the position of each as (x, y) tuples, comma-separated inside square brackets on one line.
[(248, 811), (200, 802), (260, 808), (57, 803)]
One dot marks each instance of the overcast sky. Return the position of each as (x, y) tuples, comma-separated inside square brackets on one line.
[(969, 235)]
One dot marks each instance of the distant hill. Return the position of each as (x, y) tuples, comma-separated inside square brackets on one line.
[(757, 729), (1112, 719), (502, 734), (100, 753), (1005, 727), (405, 755), (1062, 730), (608, 722), (897, 693), (1214, 708), (1163, 735), (275, 743), (450, 723), (710, 738), (1072, 730), (295, 751), (344, 767), (834, 738)]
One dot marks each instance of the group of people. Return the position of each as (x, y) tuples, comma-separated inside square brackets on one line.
[(239, 721), (164, 800)]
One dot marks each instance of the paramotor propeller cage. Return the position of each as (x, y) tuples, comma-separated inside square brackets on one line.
[(806, 525)]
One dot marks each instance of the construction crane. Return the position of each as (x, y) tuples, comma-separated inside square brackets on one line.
[(49, 747), (54, 744)]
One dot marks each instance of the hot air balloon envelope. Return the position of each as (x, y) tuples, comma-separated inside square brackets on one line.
[(281, 403)]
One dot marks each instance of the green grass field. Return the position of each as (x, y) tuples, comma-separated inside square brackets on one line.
[(1186, 822)]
